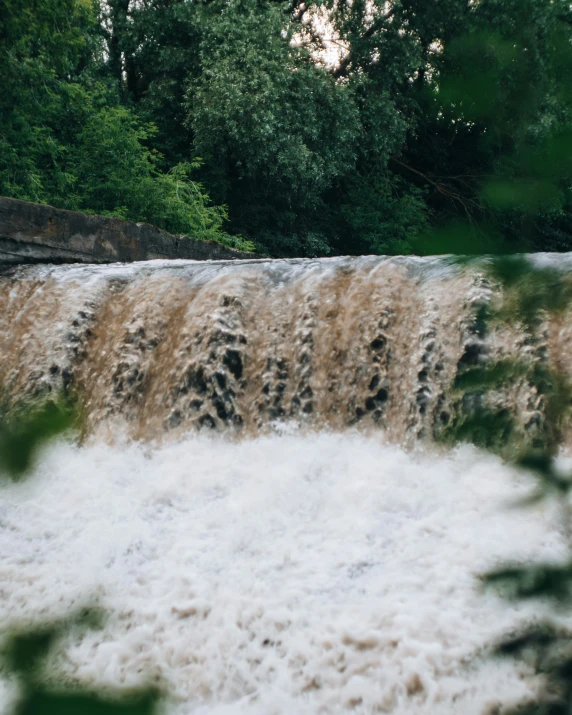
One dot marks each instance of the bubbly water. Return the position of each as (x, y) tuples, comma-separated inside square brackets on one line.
[(320, 573)]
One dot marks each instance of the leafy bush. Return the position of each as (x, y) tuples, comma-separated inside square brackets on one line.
[(116, 174)]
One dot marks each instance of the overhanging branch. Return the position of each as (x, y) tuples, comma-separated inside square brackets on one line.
[(377, 25)]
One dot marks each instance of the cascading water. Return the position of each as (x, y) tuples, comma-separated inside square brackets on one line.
[(168, 346), (309, 566)]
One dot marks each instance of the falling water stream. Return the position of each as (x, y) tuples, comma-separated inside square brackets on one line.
[(257, 499)]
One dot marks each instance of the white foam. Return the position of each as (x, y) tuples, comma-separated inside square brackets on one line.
[(287, 574)]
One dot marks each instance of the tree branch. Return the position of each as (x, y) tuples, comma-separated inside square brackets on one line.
[(442, 188), (298, 17), (378, 24)]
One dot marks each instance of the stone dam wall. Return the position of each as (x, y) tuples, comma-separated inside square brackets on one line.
[(35, 233)]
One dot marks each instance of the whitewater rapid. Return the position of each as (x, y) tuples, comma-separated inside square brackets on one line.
[(293, 573)]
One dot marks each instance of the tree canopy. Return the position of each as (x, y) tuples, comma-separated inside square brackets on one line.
[(305, 127)]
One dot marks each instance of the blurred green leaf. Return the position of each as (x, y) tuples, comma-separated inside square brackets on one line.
[(24, 650), (478, 63), (539, 637), (550, 157), (38, 702), (459, 239), (530, 195), (484, 427), (489, 376), (538, 581), (24, 430), (541, 465), (529, 290)]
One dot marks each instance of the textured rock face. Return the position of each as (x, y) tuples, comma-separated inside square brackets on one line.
[(34, 233), (369, 343)]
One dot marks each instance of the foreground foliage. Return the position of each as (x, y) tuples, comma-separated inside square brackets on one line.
[(24, 654), (529, 295)]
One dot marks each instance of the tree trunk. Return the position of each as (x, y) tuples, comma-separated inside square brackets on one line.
[(118, 10)]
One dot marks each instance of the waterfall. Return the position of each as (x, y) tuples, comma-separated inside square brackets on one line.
[(167, 347), (245, 504)]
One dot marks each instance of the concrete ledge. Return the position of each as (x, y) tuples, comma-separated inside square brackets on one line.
[(35, 233)]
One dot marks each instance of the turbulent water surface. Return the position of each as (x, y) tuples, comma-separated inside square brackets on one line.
[(285, 574), (239, 505)]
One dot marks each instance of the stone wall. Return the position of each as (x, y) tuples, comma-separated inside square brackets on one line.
[(35, 233)]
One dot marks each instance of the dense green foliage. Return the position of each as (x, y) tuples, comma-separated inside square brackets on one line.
[(316, 127), (67, 139)]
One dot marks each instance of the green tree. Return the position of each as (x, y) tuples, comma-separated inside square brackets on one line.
[(65, 139), (41, 42), (158, 43), (275, 130), (435, 112), (496, 125), (117, 174)]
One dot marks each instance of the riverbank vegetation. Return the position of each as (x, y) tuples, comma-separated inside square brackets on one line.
[(308, 128)]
